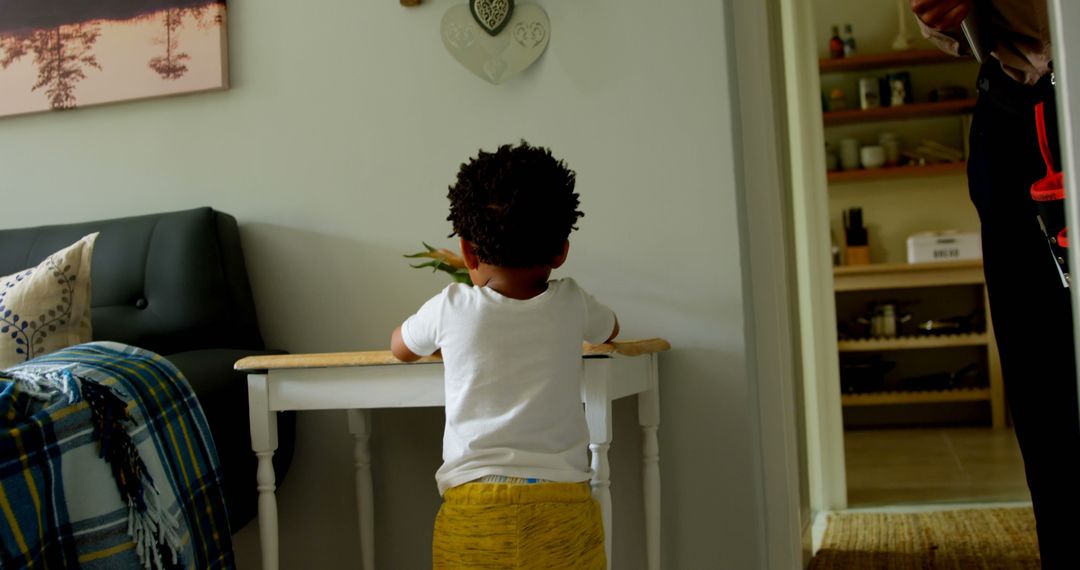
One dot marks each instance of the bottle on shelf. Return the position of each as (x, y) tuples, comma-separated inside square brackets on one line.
[(848, 41), (836, 45)]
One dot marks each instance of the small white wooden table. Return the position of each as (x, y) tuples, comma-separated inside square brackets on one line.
[(361, 381)]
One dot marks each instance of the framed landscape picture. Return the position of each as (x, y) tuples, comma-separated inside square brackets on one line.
[(62, 54)]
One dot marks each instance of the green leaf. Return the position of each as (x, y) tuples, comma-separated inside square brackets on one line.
[(427, 253), (458, 275), (433, 263)]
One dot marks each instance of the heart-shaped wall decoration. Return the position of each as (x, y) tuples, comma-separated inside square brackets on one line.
[(492, 15), (500, 57)]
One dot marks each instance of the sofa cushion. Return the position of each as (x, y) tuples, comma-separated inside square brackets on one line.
[(176, 283), (46, 307), (167, 282)]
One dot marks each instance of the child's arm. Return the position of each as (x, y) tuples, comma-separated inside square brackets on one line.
[(597, 317), (422, 330), (401, 351)]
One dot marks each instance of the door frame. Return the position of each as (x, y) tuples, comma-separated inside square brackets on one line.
[(798, 141), (791, 335), (813, 259), (1065, 15), (768, 251)]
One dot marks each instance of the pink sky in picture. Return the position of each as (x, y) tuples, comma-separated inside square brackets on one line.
[(123, 51)]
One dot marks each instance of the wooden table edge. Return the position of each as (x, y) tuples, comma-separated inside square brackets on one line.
[(385, 357)]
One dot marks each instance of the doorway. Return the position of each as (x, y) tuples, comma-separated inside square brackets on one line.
[(904, 401)]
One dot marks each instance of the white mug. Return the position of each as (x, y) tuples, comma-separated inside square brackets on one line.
[(849, 154), (873, 156)]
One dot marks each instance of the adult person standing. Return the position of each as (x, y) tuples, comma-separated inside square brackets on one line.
[(1029, 303)]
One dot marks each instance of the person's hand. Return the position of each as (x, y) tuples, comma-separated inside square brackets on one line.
[(941, 15)]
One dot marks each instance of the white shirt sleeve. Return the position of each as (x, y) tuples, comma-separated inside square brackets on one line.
[(599, 319), (420, 332)]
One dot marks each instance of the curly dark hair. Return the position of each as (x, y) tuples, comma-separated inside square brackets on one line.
[(516, 205)]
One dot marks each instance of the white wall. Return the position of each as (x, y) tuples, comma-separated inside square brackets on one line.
[(334, 148)]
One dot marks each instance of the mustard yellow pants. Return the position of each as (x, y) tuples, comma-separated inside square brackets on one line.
[(544, 526)]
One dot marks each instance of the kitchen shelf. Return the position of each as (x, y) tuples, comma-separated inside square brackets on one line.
[(907, 111), (907, 275), (887, 60), (888, 173), (891, 277), (914, 342), (913, 397), (881, 282)]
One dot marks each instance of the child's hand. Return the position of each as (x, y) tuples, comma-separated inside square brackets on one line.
[(614, 331), (450, 258), (444, 260), (941, 15)]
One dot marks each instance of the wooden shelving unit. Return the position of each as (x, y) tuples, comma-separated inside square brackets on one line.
[(909, 111), (913, 342), (882, 277), (923, 268), (889, 173), (907, 275), (887, 60), (936, 397), (892, 279)]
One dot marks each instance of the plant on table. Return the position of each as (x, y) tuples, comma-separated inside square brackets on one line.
[(443, 260)]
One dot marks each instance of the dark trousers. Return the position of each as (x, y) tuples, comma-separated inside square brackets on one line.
[(1030, 308)]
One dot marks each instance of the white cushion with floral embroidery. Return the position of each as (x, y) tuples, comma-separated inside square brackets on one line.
[(46, 308)]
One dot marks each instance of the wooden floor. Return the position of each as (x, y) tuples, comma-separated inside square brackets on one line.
[(939, 465)]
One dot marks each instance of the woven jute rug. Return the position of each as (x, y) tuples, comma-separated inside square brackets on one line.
[(970, 539)]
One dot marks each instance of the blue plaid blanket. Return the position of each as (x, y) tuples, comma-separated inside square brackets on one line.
[(106, 461)]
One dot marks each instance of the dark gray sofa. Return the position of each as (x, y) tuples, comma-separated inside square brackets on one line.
[(175, 283)]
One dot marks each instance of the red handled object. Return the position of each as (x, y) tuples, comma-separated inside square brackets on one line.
[(1049, 195)]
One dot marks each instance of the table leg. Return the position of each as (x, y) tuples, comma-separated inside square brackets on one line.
[(598, 416), (264, 442), (360, 427), (649, 419)]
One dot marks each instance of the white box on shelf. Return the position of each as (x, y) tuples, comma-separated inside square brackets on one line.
[(943, 246)]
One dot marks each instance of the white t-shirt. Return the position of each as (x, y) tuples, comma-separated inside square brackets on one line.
[(512, 379)]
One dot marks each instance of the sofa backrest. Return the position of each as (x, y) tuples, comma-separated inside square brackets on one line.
[(168, 282)]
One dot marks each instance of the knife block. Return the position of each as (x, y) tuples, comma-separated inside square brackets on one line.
[(857, 255)]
